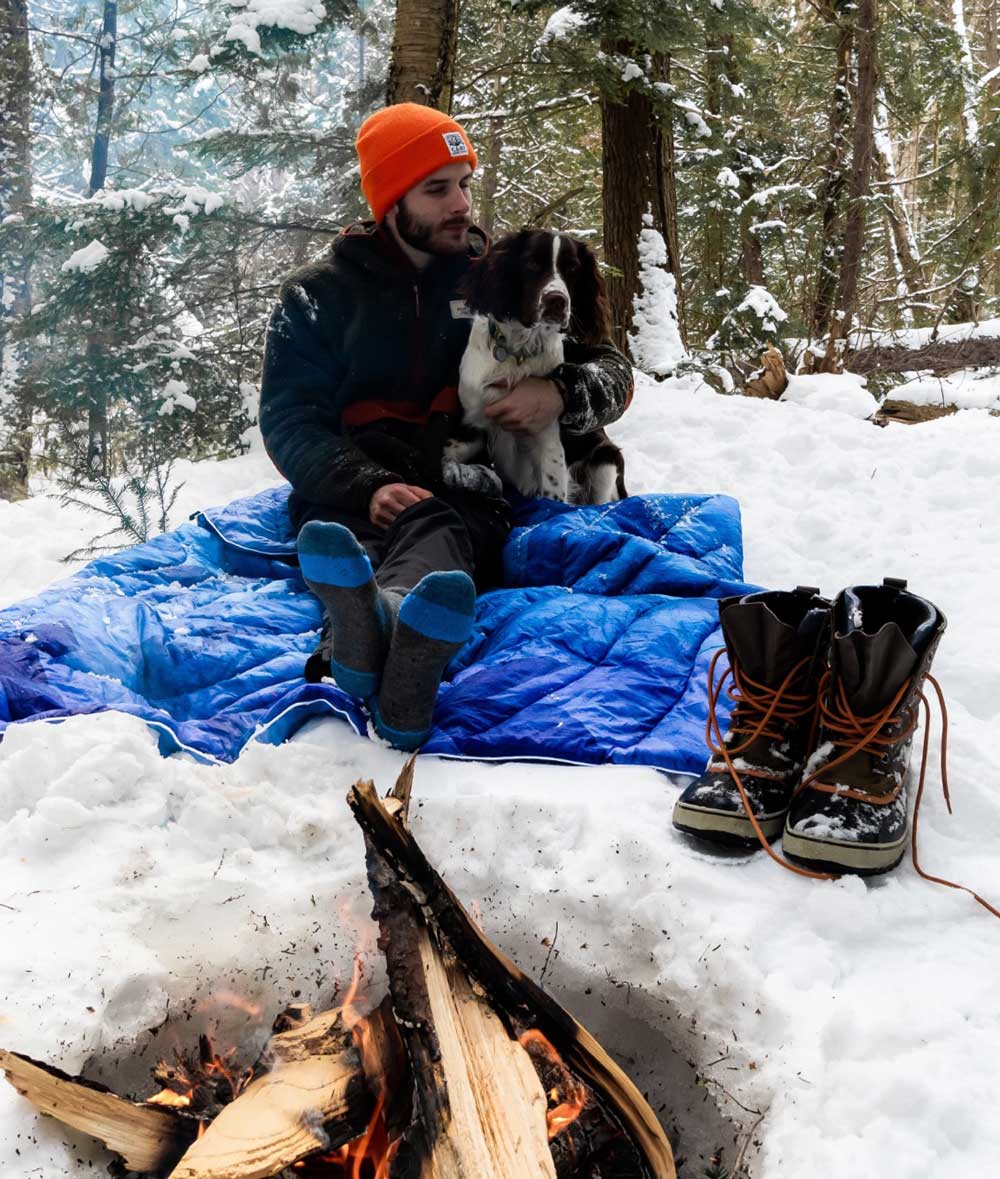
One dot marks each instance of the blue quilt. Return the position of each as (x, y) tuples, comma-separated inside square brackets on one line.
[(595, 651)]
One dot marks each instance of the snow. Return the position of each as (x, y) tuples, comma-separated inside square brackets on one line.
[(564, 22), (655, 340), (175, 393), (763, 304), (87, 258), (986, 329), (967, 388), (301, 16), (843, 393), (861, 1016)]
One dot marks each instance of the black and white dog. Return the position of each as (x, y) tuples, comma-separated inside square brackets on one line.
[(527, 292)]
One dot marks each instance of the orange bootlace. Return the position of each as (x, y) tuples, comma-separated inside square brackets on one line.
[(856, 733), (769, 703)]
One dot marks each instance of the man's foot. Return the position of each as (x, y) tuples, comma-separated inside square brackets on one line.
[(337, 570), (435, 619)]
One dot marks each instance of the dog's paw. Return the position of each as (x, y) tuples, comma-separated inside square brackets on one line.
[(460, 450), (471, 477)]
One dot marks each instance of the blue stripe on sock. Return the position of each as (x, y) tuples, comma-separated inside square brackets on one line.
[(398, 738), (342, 572), (434, 620), (360, 684)]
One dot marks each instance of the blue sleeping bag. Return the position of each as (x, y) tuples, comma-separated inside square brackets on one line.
[(596, 650)]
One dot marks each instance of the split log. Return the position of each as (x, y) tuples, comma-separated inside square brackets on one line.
[(149, 1138), (423, 925), (479, 1103), (771, 379), (312, 1097)]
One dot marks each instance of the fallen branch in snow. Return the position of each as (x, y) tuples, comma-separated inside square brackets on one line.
[(940, 357)]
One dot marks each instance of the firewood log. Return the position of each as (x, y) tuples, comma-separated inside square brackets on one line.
[(149, 1138), (416, 909)]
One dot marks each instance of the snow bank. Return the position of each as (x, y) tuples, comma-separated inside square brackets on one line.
[(839, 392), (862, 1017), (967, 389)]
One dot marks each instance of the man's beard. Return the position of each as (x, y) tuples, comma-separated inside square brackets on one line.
[(422, 235)]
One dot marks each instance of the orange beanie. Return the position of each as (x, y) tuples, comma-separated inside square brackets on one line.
[(400, 145)]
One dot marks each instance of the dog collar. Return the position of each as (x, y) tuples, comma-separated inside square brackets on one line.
[(501, 348)]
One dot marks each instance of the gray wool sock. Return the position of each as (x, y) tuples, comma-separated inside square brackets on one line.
[(434, 621), (337, 570)]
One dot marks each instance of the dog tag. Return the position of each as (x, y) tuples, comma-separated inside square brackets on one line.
[(501, 353), (460, 309)]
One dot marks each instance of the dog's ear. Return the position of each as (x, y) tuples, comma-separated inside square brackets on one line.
[(484, 286), (591, 322)]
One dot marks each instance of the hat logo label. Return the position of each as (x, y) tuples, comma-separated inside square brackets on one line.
[(455, 143)]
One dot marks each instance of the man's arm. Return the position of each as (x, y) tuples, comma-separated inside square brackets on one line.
[(596, 386), (298, 415), (590, 389)]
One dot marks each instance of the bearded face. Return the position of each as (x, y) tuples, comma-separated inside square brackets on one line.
[(435, 215)]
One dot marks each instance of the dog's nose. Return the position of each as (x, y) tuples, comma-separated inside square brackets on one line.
[(555, 305)]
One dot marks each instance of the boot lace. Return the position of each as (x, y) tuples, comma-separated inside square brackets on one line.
[(760, 711), (851, 732)]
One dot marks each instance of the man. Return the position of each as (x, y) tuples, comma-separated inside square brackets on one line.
[(359, 395)]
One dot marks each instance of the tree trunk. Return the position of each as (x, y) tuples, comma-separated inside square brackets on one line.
[(422, 65), (836, 170), (15, 289), (98, 459), (900, 237), (714, 242), (105, 99), (866, 38), (637, 178)]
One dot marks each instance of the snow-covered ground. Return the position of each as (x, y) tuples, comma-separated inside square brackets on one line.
[(861, 1016)]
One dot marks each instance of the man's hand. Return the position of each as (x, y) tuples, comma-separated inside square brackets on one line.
[(528, 408), (387, 503)]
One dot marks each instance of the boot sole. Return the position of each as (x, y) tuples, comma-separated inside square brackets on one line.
[(831, 855), (725, 827)]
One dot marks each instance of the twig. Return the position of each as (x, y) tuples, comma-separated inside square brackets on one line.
[(552, 946), (744, 1145), (723, 1089)]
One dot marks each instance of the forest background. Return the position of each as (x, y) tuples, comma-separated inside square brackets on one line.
[(749, 172)]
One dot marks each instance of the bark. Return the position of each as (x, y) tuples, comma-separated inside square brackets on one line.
[(399, 869), (422, 65), (98, 459), (939, 356), (15, 288), (638, 176), (714, 242), (832, 196), (866, 39)]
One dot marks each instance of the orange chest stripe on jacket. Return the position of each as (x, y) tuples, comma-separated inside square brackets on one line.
[(363, 413)]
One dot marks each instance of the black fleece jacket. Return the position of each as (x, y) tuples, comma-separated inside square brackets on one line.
[(359, 385)]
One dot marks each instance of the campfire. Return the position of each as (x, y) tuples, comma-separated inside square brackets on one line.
[(467, 1069)]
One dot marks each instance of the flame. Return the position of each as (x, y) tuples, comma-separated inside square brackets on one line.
[(230, 999), (565, 1103), (169, 1097), (195, 1073), (351, 1008)]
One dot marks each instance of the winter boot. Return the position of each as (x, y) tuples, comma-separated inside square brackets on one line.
[(849, 812), (776, 642)]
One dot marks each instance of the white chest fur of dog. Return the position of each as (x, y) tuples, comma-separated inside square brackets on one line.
[(533, 463)]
